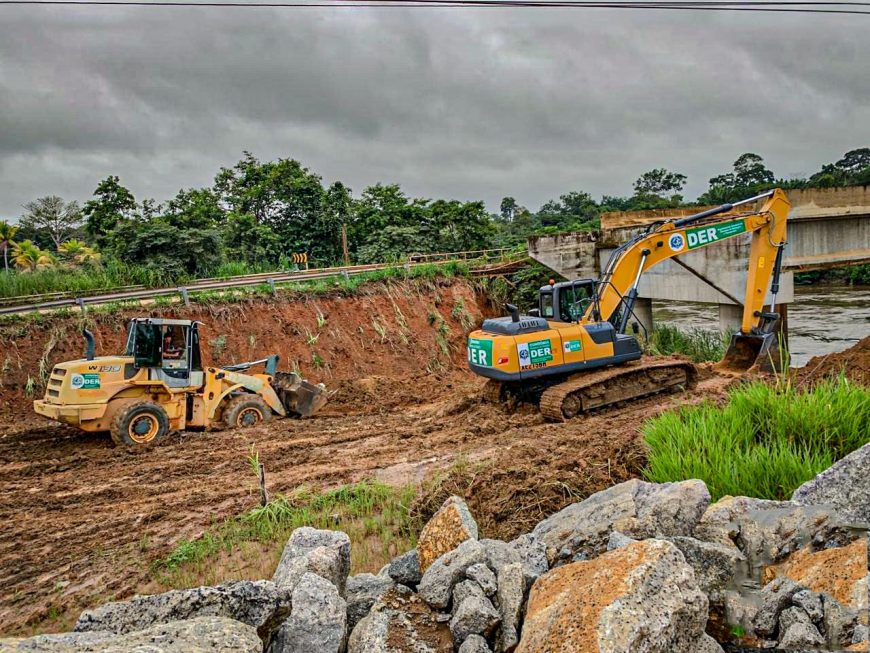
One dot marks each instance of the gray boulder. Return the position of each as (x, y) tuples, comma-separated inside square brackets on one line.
[(196, 635), (318, 621), (770, 531), (475, 644), (260, 604), (474, 616), (400, 622), (533, 556), (483, 576), (635, 508), (839, 623), (362, 592), (715, 565), (322, 552), (860, 635), (441, 577), (801, 636), (499, 554), (811, 603), (617, 540), (775, 597), (845, 486), (405, 569), (465, 589), (511, 596)]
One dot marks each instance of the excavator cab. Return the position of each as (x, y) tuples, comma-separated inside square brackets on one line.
[(566, 301)]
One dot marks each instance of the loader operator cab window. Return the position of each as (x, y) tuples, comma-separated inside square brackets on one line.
[(174, 347)]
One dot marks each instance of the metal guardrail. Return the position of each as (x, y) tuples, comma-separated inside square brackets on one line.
[(130, 293)]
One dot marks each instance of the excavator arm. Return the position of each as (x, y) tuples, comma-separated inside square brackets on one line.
[(668, 240), (617, 287)]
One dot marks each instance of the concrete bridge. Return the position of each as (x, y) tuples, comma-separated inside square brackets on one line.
[(827, 227)]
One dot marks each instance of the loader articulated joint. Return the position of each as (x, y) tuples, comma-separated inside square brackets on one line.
[(90, 345)]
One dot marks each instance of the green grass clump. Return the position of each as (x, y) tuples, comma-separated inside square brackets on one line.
[(765, 442), (374, 515), (698, 344)]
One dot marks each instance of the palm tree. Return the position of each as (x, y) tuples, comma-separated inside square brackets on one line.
[(7, 233), (78, 253), (29, 257)]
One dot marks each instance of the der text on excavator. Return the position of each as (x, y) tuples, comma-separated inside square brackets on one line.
[(556, 355)]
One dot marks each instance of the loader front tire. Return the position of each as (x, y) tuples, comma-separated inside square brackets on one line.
[(143, 422), (246, 410)]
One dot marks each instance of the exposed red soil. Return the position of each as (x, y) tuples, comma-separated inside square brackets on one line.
[(853, 362), (83, 519)]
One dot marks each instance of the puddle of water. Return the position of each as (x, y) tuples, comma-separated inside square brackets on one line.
[(821, 320)]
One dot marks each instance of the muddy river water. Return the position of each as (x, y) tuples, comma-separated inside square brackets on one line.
[(822, 319)]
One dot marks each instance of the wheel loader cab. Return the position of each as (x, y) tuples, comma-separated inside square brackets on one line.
[(168, 349)]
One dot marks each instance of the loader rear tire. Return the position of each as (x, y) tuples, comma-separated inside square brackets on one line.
[(143, 422), (246, 410)]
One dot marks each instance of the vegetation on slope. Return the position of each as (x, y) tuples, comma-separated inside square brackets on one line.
[(374, 515), (764, 442)]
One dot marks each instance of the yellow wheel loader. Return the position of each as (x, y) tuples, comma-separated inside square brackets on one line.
[(159, 385), (556, 355)]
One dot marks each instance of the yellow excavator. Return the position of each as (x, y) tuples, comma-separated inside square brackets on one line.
[(555, 355), (159, 384)]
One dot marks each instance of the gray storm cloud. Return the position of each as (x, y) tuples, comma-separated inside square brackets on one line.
[(472, 104)]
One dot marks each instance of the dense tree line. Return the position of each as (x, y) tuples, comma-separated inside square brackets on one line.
[(258, 213)]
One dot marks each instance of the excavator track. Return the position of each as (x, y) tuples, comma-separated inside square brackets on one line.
[(493, 391), (586, 392)]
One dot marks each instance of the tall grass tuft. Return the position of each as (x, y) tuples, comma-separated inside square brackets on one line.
[(700, 345), (765, 442)]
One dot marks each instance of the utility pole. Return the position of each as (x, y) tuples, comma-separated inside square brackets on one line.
[(344, 244)]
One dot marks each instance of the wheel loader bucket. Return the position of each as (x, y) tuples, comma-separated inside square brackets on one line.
[(298, 396), (752, 351)]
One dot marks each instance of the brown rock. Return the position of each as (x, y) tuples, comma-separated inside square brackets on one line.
[(448, 528), (833, 571), (642, 597)]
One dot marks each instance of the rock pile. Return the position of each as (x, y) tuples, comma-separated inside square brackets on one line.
[(637, 568)]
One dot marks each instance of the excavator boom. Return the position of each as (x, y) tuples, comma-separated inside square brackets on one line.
[(617, 287)]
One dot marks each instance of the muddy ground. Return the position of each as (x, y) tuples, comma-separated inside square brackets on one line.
[(83, 520)]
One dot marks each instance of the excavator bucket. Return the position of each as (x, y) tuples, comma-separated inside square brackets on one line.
[(752, 351), (297, 395)]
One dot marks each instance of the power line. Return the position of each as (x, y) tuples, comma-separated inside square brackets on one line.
[(674, 5)]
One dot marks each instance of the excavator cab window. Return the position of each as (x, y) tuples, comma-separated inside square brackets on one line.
[(546, 304), (574, 299)]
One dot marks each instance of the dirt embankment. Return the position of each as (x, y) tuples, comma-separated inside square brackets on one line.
[(386, 329), (854, 363)]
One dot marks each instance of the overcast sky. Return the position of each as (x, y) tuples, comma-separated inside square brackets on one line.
[(454, 103)]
